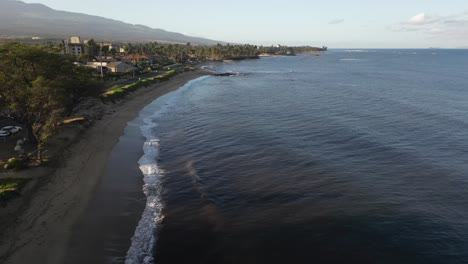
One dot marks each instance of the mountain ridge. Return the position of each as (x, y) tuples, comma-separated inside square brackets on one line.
[(18, 18)]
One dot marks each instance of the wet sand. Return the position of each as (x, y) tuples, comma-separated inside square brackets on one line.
[(42, 232), (110, 219)]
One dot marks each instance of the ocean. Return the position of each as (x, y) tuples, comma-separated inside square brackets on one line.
[(353, 156)]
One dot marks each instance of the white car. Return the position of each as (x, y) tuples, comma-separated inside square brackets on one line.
[(4, 134), (11, 129)]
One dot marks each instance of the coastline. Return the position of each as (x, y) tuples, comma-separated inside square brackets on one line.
[(102, 232), (41, 233)]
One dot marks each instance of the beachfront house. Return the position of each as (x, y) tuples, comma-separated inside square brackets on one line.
[(135, 59), (96, 64), (120, 67)]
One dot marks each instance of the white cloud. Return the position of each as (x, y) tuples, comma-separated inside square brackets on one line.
[(336, 21), (454, 26), (423, 19), (459, 22), (399, 28), (417, 19)]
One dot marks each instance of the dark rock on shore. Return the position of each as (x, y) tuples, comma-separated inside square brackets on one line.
[(226, 74)]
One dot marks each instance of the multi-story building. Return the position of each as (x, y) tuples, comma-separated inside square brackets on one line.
[(75, 47)]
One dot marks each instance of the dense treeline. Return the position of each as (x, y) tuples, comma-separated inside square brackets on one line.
[(177, 53), (38, 86)]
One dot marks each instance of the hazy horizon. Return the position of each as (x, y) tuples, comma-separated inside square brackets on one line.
[(337, 24)]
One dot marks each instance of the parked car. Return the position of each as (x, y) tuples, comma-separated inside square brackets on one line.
[(4, 134), (11, 130)]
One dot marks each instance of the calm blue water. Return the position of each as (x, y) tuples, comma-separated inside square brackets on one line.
[(347, 157)]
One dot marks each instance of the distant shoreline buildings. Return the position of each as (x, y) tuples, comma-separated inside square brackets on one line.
[(76, 47), (94, 56)]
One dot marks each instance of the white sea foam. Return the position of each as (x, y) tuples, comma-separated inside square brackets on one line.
[(356, 50), (145, 237)]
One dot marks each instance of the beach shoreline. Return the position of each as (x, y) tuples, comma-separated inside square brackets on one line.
[(40, 234)]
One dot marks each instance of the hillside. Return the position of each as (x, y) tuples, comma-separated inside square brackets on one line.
[(20, 19)]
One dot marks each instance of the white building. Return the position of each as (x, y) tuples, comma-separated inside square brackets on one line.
[(75, 47), (75, 40)]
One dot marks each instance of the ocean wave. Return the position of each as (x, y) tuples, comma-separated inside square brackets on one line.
[(143, 241), (145, 238), (347, 84), (356, 51)]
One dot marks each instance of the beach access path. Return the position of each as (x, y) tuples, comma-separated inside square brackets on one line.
[(41, 232)]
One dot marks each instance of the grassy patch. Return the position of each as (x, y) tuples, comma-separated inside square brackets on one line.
[(117, 93), (11, 188), (73, 120)]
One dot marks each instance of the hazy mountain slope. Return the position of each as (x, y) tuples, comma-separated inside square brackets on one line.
[(21, 19)]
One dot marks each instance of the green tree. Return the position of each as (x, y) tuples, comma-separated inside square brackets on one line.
[(38, 86), (105, 50), (113, 52), (84, 58), (93, 47)]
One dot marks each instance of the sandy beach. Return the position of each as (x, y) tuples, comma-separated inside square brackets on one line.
[(41, 233)]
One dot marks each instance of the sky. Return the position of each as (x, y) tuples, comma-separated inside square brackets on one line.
[(333, 23)]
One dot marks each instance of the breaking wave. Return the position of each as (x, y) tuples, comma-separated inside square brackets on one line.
[(145, 237)]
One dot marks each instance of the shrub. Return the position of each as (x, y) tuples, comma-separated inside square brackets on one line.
[(16, 163), (11, 188), (117, 93)]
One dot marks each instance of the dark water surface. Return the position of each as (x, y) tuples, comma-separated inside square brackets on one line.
[(348, 157)]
